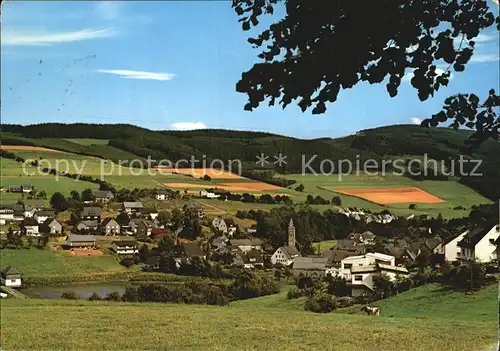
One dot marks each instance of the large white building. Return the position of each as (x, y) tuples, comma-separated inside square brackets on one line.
[(479, 245), (451, 248)]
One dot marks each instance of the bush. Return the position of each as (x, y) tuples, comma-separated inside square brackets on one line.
[(70, 295), (321, 302), (294, 293), (344, 301), (94, 297), (127, 262)]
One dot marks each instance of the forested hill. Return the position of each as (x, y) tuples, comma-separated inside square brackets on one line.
[(128, 141)]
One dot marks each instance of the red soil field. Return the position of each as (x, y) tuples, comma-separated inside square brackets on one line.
[(387, 196)]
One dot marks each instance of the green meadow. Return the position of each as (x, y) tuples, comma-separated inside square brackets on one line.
[(425, 318)]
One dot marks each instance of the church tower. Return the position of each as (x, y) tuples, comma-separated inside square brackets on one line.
[(291, 234)]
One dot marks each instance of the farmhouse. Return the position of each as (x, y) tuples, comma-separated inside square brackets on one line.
[(30, 227), (189, 250), (29, 211), (26, 188), (144, 228), (249, 260), (209, 194), (125, 247), (336, 255), (6, 215), (219, 243), (479, 245), (158, 233), (402, 255), (310, 266), (226, 226), (132, 207), (51, 226), (91, 214), (42, 215), (162, 195), (150, 213), (245, 245), (79, 241), (451, 248), (104, 196), (11, 277), (86, 226), (110, 227)]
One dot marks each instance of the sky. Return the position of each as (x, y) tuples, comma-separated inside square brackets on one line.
[(174, 65)]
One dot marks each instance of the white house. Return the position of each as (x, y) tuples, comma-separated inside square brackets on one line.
[(29, 211), (246, 245), (362, 276), (30, 227), (125, 247), (6, 215), (479, 245), (285, 255), (161, 195), (209, 194), (366, 260), (451, 249), (42, 216), (10, 277)]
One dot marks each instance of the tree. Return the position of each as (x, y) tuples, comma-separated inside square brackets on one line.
[(412, 207), (300, 187), (305, 58), (42, 194), (88, 195), (75, 195), (277, 274), (336, 200), (164, 217), (59, 202)]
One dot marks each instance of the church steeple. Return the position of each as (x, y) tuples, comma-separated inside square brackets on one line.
[(291, 233)]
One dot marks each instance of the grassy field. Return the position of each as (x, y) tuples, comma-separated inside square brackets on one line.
[(88, 142), (453, 193), (36, 262), (325, 245), (453, 321)]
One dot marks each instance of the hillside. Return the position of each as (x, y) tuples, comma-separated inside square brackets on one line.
[(261, 323), (126, 142)]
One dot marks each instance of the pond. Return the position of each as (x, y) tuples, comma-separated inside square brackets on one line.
[(84, 289)]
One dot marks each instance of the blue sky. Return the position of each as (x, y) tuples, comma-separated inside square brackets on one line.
[(174, 65)]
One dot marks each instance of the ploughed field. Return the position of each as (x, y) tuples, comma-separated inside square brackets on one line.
[(390, 195)]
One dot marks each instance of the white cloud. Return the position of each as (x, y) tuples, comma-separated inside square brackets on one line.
[(415, 120), (108, 10), (482, 58), (408, 76), (188, 125), (128, 74), (44, 39)]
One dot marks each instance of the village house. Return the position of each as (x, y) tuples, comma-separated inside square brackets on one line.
[(366, 238), (249, 260), (451, 248), (51, 226), (150, 213), (29, 211), (132, 207), (86, 226), (104, 196), (42, 215), (479, 245), (368, 259), (309, 266), (209, 194), (402, 255), (10, 277), (189, 250), (18, 212), (30, 227), (6, 215), (361, 277), (162, 195), (125, 247), (285, 255), (79, 241), (158, 233), (91, 214), (26, 188), (144, 228), (245, 245), (336, 255), (226, 226), (219, 243), (110, 227), (131, 227)]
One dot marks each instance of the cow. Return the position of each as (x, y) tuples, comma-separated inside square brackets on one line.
[(375, 311)]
